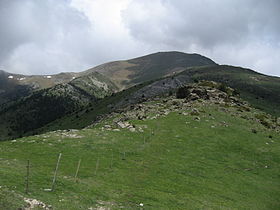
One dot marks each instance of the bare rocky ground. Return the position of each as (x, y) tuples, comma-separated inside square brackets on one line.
[(186, 102)]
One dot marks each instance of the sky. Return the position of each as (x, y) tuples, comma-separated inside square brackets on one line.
[(52, 36)]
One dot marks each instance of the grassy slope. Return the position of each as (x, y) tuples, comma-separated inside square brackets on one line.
[(186, 164), (260, 90)]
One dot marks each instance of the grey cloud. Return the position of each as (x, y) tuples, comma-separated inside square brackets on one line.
[(36, 33), (210, 27), (206, 23), (50, 36)]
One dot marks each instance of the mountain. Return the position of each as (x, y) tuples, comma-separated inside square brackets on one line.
[(124, 74), (48, 98), (128, 73), (259, 90), (200, 147), (15, 86), (105, 88)]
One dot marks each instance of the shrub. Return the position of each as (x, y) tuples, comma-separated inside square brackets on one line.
[(254, 131), (223, 87), (182, 92)]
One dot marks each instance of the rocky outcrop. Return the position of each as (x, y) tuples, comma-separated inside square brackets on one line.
[(184, 101)]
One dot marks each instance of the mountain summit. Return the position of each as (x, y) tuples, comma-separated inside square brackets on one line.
[(153, 66)]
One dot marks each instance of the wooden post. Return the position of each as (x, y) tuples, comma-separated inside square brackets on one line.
[(55, 172), (77, 171), (27, 177), (96, 167), (112, 157)]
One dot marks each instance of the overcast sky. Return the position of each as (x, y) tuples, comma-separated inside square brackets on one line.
[(51, 36)]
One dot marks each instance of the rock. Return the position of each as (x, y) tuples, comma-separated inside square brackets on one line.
[(197, 118), (33, 203), (140, 130), (278, 121), (193, 97), (123, 124), (222, 95), (132, 129), (202, 93), (194, 112), (140, 116), (176, 102)]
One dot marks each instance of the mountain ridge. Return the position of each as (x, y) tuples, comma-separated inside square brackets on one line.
[(120, 72), (121, 86)]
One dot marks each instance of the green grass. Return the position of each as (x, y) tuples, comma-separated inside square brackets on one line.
[(182, 164)]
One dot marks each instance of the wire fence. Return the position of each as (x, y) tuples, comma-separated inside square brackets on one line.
[(48, 167)]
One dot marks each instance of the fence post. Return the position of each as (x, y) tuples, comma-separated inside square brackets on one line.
[(55, 172), (96, 167), (27, 177), (77, 171), (112, 157)]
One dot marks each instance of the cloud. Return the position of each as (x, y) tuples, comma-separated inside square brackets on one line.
[(43, 37), (235, 32), (38, 33)]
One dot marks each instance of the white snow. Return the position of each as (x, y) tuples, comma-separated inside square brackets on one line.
[(10, 77)]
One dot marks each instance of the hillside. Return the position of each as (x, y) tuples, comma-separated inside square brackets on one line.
[(46, 105), (204, 149), (259, 90)]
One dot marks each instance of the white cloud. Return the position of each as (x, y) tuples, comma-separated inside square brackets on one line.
[(43, 37)]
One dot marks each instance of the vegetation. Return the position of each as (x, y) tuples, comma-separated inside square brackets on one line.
[(211, 160)]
